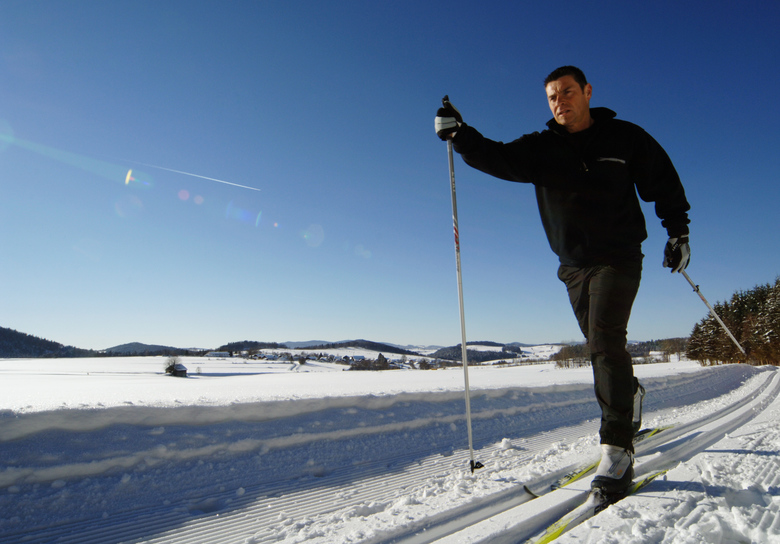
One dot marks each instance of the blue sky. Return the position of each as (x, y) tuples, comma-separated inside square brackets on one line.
[(327, 108)]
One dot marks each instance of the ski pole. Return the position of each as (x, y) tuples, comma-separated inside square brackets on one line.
[(464, 355), (712, 311)]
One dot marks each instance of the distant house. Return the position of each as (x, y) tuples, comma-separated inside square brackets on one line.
[(179, 370), (218, 354)]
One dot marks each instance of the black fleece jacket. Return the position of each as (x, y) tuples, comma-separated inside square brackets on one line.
[(587, 183)]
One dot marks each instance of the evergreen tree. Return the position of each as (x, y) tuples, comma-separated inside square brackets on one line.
[(753, 317)]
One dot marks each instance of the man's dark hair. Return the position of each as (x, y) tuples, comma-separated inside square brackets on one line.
[(572, 71)]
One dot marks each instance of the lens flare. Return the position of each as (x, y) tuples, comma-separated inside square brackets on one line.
[(128, 206), (239, 214), (6, 135), (103, 169), (314, 235), (361, 251)]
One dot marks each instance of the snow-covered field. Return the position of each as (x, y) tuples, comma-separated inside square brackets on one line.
[(112, 450)]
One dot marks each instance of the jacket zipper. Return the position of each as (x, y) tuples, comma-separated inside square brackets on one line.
[(584, 164)]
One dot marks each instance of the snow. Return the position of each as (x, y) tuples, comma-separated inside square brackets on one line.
[(110, 450)]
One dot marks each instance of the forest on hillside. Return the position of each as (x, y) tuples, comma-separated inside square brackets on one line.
[(753, 317), (19, 344)]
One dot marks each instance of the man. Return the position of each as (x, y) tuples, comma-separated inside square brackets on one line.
[(587, 168)]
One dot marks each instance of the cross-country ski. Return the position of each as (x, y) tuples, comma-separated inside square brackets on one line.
[(595, 503), (584, 470)]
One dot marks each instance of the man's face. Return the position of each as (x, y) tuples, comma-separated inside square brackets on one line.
[(569, 103)]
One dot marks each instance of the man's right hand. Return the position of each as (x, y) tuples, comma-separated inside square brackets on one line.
[(677, 254), (448, 120)]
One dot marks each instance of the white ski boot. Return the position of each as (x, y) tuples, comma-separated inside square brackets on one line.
[(615, 471)]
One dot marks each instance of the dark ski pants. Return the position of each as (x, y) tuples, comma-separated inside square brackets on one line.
[(602, 297)]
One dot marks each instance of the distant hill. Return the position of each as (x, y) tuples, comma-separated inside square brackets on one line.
[(246, 345), (15, 344), (454, 353), (309, 343), (515, 345), (365, 344), (137, 348)]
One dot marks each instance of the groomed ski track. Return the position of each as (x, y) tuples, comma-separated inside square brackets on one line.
[(663, 451), (264, 504)]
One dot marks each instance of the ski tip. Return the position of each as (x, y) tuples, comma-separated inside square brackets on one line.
[(445, 100)]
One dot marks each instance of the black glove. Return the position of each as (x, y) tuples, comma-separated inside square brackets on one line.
[(677, 254), (448, 120)]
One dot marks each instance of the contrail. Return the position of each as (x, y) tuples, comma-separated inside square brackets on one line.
[(102, 168), (197, 176)]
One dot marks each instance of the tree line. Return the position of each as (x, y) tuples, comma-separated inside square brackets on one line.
[(753, 317), (14, 344), (574, 355)]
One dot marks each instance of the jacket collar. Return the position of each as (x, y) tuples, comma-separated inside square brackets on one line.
[(597, 114)]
